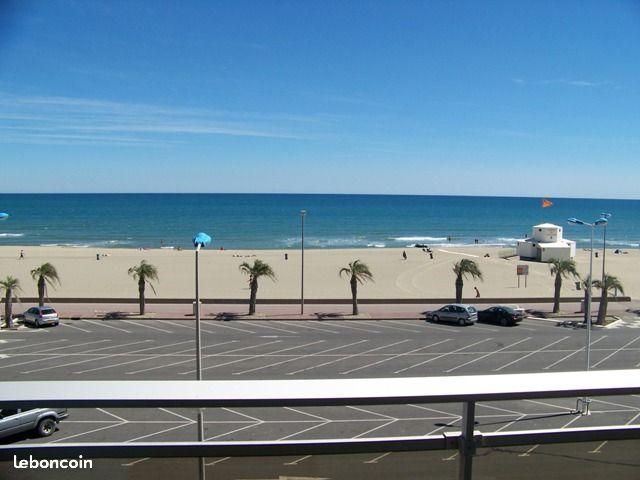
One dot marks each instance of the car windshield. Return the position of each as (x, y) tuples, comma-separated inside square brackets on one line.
[(471, 309), (47, 311), (509, 310)]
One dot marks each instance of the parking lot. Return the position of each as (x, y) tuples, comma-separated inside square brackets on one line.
[(164, 349)]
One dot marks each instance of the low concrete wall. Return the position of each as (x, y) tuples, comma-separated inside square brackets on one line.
[(320, 301)]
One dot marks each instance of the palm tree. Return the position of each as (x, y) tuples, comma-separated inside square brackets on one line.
[(611, 283), (255, 271), (561, 269), (463, 269), (359, 273), (11, 286), (144, 273), (43, 275)]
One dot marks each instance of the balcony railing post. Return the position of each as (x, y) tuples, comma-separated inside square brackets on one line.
[(467, 443)]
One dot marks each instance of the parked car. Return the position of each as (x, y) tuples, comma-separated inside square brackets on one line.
[(39, 316), (501, 314), (41, 420), (456, 313)]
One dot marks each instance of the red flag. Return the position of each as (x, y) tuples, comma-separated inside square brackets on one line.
[(546, 203)]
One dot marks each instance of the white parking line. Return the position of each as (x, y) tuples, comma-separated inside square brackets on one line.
[(572, 354), (217, 461), (298, 358), (371, 430), (487, 355), (161, 431), (526, 454), (181, 325), (379, 457), (393, 357), (311, 328), (73, 326), (90, 431), (130, 464), (308, 414), (51, 367), (144, 359), (111, 415), (295, 462), (4, 350), (345, 358), (238, 360), (319, 424), (104, 324), (528, 355), (188, 360), (338, 325), (222, 325), (441, 356), (234, 431), (613, 353), (260, 325), (147, 326), (380, 324), (176, 414), (55, 356), (599, 447)]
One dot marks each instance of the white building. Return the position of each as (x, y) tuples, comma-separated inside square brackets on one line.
[(545, 244)]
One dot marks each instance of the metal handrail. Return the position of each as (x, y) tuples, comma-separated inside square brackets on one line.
[(324, 392)]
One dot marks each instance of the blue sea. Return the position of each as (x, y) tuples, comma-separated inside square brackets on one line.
[(265, 221)]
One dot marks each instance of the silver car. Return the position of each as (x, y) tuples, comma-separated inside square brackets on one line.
[(39, 316), (41, 420), (455, 313)]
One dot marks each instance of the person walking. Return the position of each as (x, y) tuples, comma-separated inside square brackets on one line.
[(477, 292), (404, 254), (21, 254)]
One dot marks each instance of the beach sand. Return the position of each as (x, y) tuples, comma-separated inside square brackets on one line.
[(417, 277)]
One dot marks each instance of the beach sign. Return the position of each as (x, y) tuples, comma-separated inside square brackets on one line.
[(4, 216), (520, 271)]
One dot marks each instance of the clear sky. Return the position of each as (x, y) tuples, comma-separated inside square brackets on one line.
[(479, 97)]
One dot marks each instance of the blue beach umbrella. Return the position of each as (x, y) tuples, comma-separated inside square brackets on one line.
[(201, 240), (4, 216)]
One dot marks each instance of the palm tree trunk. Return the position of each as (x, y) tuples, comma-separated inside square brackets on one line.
[(7, 309), (602, 308), (556, 293), (254, 295), (459, 285), (141, 296), (41, 286), (354, 295)]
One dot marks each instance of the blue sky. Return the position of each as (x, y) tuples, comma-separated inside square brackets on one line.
[(481, 98)]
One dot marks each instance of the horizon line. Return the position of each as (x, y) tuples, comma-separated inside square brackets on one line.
[(332, 193)]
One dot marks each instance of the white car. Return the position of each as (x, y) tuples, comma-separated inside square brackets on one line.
[(40, 316)]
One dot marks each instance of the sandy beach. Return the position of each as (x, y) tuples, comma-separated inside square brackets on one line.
[(417, 277)]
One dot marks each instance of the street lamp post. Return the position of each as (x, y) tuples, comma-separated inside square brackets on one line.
[(605, 216), (302, 215), (601, 221), (200, 240)]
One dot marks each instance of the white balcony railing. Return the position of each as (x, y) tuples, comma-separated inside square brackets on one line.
[(330, 392)]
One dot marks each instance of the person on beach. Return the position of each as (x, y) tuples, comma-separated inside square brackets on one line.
[(431, 255), (404, 254), (477, 292), (21, 254)]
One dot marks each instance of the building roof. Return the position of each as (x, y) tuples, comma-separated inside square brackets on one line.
[(546, 225)]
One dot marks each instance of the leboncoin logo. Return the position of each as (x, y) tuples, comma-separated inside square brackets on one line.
[(53, 464)]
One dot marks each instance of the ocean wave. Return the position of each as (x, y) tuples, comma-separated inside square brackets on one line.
[(509, 240), (418, 239), (376, 245), (11, 235), (335, 242)]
